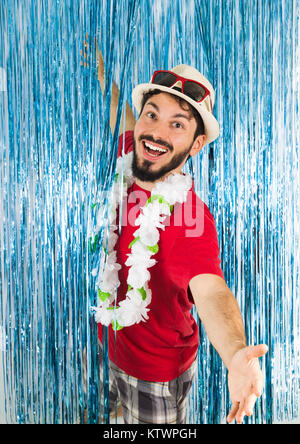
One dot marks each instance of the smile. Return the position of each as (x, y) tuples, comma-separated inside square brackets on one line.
[(153, 151)]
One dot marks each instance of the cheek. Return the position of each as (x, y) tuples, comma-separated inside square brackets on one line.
[(143, 125)]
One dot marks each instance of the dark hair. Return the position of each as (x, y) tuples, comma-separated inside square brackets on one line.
[(183, 104)]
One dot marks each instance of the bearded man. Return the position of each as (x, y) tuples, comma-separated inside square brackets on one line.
[(163, 263)]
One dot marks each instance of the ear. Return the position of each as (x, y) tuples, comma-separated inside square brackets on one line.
[(198, 144)]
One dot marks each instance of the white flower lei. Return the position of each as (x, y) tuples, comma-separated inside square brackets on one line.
[(164, 195)]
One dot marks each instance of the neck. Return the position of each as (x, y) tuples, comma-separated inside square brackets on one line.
[(150, 185), (145, 185)]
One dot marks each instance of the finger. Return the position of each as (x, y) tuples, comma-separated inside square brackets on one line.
[(233, 411), (258, 387), (256, 351), (240, 413), (249, 404)]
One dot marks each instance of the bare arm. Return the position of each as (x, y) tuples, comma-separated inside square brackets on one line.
[(129, 119), (219, 313), (222, 320)]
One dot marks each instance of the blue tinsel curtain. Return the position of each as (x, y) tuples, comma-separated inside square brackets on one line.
[(57, 158)]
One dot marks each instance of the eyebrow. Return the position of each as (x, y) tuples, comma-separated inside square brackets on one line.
[(175, 115)]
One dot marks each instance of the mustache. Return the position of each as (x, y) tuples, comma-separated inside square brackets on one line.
[(159, 141)]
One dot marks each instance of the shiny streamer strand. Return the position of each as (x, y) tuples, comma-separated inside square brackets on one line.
[(57, 157)]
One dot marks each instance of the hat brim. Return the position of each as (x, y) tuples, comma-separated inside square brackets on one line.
[(211, 125)]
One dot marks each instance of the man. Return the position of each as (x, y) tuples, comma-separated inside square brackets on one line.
[(153, 362)]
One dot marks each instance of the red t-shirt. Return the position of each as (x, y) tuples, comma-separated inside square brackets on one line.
[(165, 346)]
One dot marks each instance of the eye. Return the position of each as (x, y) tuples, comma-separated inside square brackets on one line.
[(178, 125), (150, 114)]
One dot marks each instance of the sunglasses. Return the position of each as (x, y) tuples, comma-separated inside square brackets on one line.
[(191, 88)]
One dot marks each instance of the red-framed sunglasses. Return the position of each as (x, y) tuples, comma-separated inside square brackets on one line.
[(191, 88)]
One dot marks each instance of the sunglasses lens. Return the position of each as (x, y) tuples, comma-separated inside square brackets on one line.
[(194, 90), (165, 79)]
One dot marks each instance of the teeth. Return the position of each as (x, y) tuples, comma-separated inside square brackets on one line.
[(155, 148)]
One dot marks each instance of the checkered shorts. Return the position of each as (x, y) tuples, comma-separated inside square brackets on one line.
[(145, 402)]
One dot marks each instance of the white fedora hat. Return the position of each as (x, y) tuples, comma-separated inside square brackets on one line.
[(204, 108)]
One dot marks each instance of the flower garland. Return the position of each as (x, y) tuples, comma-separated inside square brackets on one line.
[(164, 195)]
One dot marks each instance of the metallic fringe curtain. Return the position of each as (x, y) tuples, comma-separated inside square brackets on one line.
[(57, 157)]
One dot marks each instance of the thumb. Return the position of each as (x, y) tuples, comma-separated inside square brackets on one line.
[(256, 351)]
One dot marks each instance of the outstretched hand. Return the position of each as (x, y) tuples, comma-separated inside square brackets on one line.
[(245, 381)]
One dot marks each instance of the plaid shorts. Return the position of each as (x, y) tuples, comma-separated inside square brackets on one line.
[(145, 402)]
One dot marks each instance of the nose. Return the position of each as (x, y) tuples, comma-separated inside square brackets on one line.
[(160, 132)]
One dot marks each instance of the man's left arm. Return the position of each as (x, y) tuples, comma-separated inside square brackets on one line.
[(219, 312)]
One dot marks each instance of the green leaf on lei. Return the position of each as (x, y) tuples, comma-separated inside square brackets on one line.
[(155, 197), (116, 326), (92, 244), (143, 293), (153, 248), (134, 241), (102, 295), (160, 199)]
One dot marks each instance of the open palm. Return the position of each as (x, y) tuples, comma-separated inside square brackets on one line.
[(245, 381)]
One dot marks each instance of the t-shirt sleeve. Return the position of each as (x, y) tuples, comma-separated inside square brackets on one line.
[(197, 250), (127, 138)]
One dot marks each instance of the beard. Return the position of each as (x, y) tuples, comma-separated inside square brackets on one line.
[(143, 172)]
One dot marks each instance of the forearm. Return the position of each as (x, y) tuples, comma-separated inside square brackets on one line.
[(223, 323)]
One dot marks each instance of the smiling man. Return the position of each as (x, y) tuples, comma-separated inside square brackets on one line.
[(154, 339), (164, 140)]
